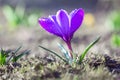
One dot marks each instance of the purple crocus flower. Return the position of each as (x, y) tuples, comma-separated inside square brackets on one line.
[(63, 24)]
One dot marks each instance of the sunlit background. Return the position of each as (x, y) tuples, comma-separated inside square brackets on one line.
[(19, 24)]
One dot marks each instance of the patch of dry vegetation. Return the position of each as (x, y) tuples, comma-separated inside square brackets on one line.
[(48, 68)]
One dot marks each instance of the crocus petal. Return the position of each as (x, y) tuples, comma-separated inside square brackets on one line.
[(63, 21), (49, 26), (73, 12), (53, 18), (76, 20)]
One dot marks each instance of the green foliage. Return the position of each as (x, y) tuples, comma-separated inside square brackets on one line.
[(53, 53), (87, 49), (17, 57), (6, 57), (78, 59), (2, 57), (65, 52), (116, 40), (32, 19), (17, 16), (14, 17), (115, 20)]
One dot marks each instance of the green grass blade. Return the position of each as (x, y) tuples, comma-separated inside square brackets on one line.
[(13, 54), (87, 49), (26, 52), (2, 57), (53, 53), (17, 49), (64, 51)]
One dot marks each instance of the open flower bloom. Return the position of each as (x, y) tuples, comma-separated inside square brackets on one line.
[(63, 24)]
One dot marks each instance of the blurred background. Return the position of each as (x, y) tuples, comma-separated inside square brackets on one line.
[(19, 24)]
